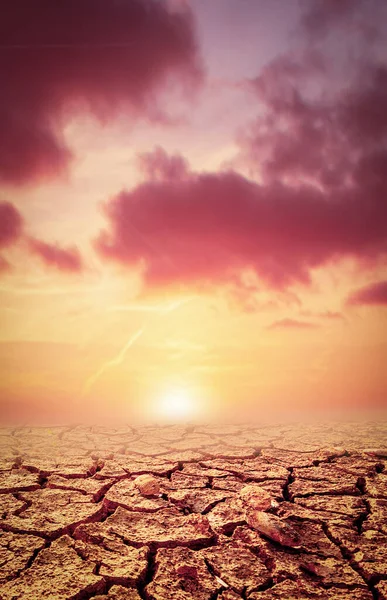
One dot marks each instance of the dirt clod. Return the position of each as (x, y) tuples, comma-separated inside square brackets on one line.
[(147, 485)]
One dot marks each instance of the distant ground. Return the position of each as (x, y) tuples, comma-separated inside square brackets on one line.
[(291, 512)]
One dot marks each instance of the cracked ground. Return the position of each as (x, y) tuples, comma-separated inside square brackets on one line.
[(260, 513)]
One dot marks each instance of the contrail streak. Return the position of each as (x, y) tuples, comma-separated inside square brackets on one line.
[(111, 363), (121, 355)]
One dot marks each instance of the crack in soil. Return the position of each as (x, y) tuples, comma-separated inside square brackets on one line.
[(347, 556), (232, 466), (149, 573), (285, 490)]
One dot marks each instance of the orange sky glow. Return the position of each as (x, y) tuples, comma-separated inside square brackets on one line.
[(193, 227)]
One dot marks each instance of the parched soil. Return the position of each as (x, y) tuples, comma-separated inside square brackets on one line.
[(177, 513)]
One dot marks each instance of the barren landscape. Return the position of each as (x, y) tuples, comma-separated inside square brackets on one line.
[(194, 512), (193, 299)]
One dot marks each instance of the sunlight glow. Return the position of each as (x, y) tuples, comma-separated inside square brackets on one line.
[(177, 404)]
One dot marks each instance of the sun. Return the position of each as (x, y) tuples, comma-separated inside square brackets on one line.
[(177, 405)]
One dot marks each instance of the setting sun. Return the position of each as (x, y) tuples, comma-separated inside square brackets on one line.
[(177, 404)]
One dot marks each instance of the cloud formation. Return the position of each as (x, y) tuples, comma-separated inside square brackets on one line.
[(284, 324), (63, 259), (12, 230), (59, 58), (373, 294), (11, 224), (319, 148), (321, 112), (158, 165), (330, 141), (361, 17), (11, 227), (208, 227)]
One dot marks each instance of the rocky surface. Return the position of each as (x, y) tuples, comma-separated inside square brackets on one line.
[(181, 573), (153, 513)]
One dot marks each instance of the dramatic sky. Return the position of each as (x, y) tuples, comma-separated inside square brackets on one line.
[(193, 207)]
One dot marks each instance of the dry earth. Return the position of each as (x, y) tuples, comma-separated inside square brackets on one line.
[(284, 512)]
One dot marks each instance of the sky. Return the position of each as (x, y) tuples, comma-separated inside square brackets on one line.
[(193, 208)]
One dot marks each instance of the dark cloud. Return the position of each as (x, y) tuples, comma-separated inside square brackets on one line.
[(350, 17), (159, 165), (373, 294), (63, 259), (12, 230), (322, 105), (327, 140), (319, 146), (59, 58), (11, 224), (206, 228), (321, 15)]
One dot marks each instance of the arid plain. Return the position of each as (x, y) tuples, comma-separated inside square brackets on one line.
[(197, 512)]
